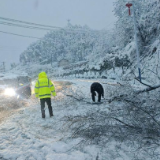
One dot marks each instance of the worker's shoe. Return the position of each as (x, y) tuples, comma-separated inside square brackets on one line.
[(43, 116)]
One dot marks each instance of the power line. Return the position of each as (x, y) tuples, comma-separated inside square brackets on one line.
[(9, 49), (24, 26), (9, 46), (14, 47), (30, 23), (47, 29), (2, 51), (19, 35), (34, 25)]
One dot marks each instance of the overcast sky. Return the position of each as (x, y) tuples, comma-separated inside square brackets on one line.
[(97, 14)]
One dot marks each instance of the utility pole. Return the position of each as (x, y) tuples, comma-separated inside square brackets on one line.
[(3, 66), (129, 5)]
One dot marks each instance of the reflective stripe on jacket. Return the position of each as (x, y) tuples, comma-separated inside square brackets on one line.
[(44, 88)]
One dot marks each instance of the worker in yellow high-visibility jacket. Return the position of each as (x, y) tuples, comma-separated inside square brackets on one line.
[(44, 88)]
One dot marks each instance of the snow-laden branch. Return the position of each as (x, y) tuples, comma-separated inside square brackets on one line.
[(149, 87)]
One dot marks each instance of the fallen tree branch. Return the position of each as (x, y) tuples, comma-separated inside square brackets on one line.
[(129, 101), (143, 83), (148, 89), (114, 84), (78, 99), (75, 97), (130, 126)]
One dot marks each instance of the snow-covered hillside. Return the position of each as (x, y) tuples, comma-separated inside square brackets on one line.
[(92, 53)]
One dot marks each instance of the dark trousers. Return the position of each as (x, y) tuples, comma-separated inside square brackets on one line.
[(48, 101), (99, 96)]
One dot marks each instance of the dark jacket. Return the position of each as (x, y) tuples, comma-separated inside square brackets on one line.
[(98, 88)]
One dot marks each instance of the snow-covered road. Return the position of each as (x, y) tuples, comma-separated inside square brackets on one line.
[(26, 136)]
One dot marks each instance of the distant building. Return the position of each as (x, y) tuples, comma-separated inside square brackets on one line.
[(63, 62)]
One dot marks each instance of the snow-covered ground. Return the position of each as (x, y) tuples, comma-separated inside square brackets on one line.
[(26, 136)]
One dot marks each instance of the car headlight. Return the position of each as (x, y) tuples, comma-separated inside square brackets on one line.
[(9, 92)]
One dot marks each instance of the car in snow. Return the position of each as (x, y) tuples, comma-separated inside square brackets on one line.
[(19, 87), (24, 86)]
